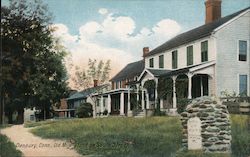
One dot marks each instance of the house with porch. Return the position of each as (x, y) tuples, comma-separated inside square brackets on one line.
[(206, 60), (69, 105)]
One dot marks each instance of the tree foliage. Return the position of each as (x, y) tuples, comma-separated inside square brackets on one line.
[(84, 110), (32, 71), (96, 71)]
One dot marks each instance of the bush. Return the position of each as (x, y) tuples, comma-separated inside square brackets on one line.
[(84, 110), (182, 104)]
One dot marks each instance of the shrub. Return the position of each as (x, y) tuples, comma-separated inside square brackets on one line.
[(105, 112), (182, 104), (84, 110)]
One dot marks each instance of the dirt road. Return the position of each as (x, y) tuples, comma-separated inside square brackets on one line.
[(34, 146)]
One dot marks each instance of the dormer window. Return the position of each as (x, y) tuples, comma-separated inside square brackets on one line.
[(242, 50)]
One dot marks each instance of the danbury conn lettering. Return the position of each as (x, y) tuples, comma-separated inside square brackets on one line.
[(194, 134), (20, 145)]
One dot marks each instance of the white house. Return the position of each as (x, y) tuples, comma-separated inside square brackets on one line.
[(211, 58)]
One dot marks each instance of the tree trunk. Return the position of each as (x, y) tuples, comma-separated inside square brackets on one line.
[(20, 116)]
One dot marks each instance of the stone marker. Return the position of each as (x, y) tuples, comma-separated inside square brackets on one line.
[(206, 126), (194, 133)]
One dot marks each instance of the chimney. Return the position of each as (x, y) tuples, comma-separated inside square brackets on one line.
[(213, 10), (95, 83), (145, 51)]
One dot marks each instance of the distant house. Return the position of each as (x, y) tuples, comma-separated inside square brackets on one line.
[(29, 114), (209, 59), (69, 105)]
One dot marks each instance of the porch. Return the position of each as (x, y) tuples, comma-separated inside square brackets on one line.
[(158, 87)]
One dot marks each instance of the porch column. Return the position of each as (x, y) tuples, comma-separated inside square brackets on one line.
[(102, 107), (161, 103), (156, 92), (190, 85), (109, 104), (129, 107), (147, 100), (122, 104), (137, 93), (69, 114), (129, 112), (174, 93), (201, 86), (142, 100)]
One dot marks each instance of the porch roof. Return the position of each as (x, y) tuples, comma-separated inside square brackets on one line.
[(158, 72), (188, 69), (115, 91)]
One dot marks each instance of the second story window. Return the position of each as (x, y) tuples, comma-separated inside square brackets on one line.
[(204, 51), (189, 55), (174, 60), (151, 62), (161, 61), (242, 50)]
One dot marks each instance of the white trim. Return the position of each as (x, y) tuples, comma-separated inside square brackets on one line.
[(145, 70), (202, 66), (233, 19)]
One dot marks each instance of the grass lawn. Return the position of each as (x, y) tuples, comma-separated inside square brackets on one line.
[(154, 136), (7, 148)]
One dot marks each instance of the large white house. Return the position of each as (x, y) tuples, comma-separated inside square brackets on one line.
[(212, 58)]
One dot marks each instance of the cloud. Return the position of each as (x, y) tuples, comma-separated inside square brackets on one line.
[(114, 38), (102, 11)]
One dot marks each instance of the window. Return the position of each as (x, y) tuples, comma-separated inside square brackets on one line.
[(174, 59), (120, 84), (204, 53), (151, 62), (161, 61), (242, 50), (243, 85), (189, 55)]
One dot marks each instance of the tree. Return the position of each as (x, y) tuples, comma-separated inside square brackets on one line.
[(84, 78), (32, 72)]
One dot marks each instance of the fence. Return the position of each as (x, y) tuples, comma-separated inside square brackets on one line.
[(237, 105)]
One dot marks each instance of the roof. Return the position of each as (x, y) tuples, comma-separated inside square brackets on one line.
[(158, 72), (129, 71), (194, 34), (86, 92)]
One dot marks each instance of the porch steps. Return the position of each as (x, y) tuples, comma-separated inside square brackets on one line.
[(140, 114)]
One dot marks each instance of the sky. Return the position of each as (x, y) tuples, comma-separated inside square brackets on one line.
[(119, 29)]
